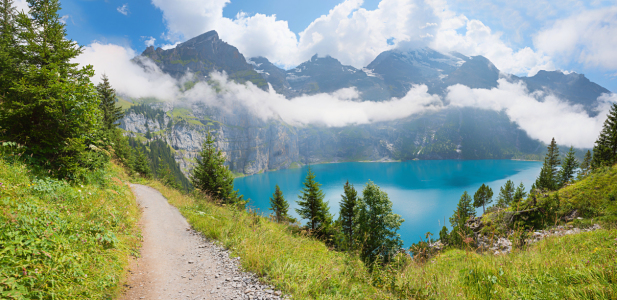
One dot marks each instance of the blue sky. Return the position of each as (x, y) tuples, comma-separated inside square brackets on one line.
[(520, 37)]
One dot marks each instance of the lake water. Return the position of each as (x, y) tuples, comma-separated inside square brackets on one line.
[(422, 192)]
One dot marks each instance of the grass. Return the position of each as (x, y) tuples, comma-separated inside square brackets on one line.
[(61, 240), (581, 266), (294, 263)]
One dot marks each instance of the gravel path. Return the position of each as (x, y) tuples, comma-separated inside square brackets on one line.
[(178, 263)]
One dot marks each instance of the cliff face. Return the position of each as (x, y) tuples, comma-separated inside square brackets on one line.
[(252, 145)]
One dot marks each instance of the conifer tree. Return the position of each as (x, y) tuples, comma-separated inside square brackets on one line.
[(348, 213), (312, 206), (279, 205), (140, 163), (53, 108), (520, 193), (483, 197), (506, 194), (111, 112), (210, 175), (568, 167), (549, 179), (464, 210), (377, 226), (586, 164), (8, 48), (605, 149)]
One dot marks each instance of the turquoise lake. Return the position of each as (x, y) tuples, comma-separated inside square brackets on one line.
[(422, 192)]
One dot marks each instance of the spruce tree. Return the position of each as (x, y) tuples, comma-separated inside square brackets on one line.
[(483, 197), (279, 205), (377, 226), (568, 167), (605, 149), (464, 210), (586, 164), (211, 176), (549, 179), (506, 194), (8, 49), (348, 213), (53, 108), (140, 163), (312, 206), (111, 112), (520, 193)]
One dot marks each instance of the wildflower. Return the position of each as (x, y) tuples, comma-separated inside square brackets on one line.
[(79, 191)]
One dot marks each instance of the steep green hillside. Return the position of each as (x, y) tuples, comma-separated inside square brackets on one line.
[(61, 240)]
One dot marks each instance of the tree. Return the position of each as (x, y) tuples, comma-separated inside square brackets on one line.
[(586, 164), (140, 163), (166, 176), (549, 179), (605, 148), (111, 112), (506, 194), (464, 210), (520, 193), (210, 175), (312, 206), (377, 225), (52, 107), (279, 205), (8, 48), (348, 213), (482, 197), (568, 167), (444, 236)]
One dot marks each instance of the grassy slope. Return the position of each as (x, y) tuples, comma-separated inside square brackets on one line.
[(59, 241), (296, 264), (582, 266)]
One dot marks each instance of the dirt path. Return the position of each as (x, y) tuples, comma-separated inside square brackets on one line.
[(178, 263)]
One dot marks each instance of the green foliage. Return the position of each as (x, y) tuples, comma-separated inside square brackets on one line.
[(48, 103), (348, 215), (568, 167), (464, 211), (211, 176), (140, 163), (279, 205), (506, 194), (148, 112), (166, 176), (444, 236), (61, 240), (377, 226), (586, 164), (605, 149), (483, 197), (312, 206), (159, 157), (111, 112), (520, 193), (549, 179)]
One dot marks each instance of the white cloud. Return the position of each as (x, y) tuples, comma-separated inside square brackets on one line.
[(64, 18), (543, 120), (21, 5), (126, 77), (589, 37), (124, 9), (149, 41)]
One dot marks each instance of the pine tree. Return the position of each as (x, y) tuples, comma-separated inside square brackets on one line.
[(568, 167), (483, 197), (140, 164), (8, 49), (444, 236), (53, 108), (586, 164), (348, 213), (605, 149), (377, 226), (312, 206), (166, 176), (111, 112), (279, 205), (506, 194), (464, 210), (520, 193), (549, 179), (210, 175)]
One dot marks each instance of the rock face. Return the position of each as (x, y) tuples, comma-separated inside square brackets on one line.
[(252, 145)]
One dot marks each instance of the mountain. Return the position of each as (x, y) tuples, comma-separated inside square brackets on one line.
[(202, 55), (252, 145), (327, 75), (574, 88), (400, 69)]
